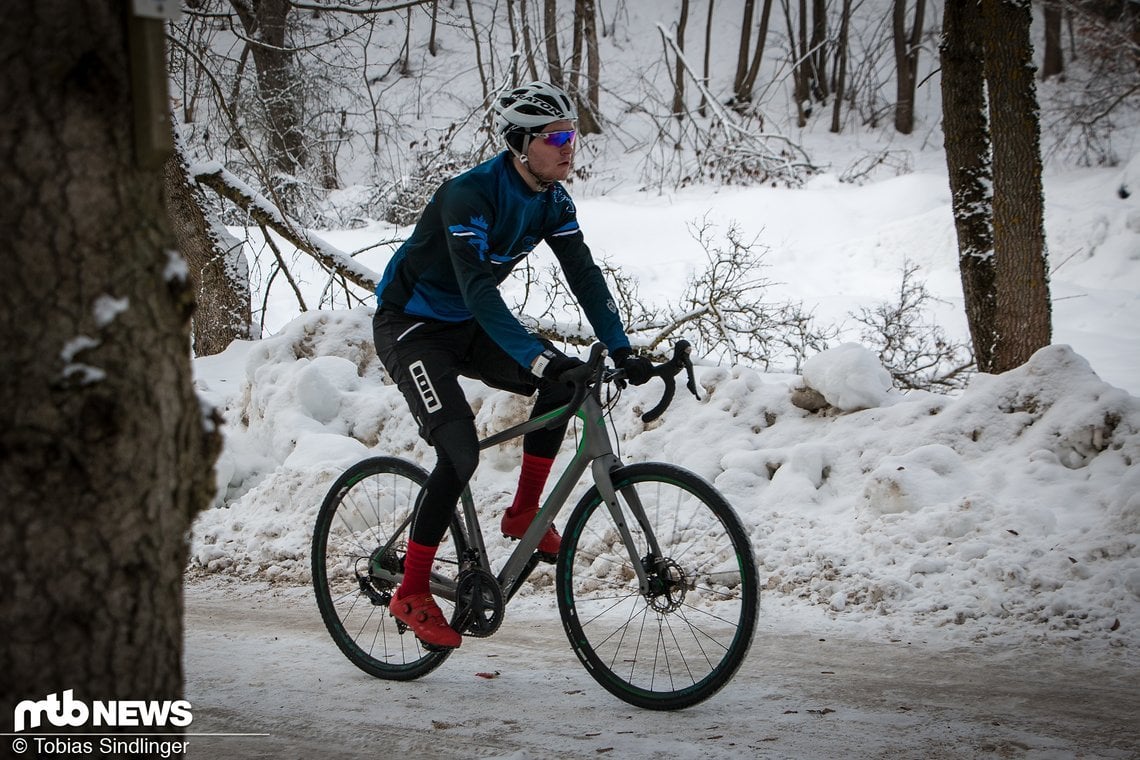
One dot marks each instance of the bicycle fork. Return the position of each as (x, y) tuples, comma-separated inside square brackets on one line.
[(603, 466)]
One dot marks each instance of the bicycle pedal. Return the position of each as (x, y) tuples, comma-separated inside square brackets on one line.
[(433, 647), (547, 557), (401, 626)]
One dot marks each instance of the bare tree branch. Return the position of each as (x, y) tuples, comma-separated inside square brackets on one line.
[(215, 177)]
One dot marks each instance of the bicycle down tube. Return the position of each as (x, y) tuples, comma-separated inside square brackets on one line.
[(595, 448)]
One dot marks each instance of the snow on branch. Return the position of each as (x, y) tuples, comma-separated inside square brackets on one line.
[(216, 177)]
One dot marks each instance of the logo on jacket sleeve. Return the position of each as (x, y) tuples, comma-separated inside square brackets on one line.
[(475, 232)]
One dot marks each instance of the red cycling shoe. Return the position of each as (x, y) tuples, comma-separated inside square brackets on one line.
[(420, 613), (515, 526)]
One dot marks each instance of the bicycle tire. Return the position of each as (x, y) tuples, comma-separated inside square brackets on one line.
[(684, 639), (369, 507)]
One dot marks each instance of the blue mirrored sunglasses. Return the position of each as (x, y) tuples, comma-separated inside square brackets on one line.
[(557, 139)]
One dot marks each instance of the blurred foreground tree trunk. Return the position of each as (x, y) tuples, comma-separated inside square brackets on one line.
[(105, 456)]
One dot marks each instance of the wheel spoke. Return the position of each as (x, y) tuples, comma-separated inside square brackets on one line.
[(361, 528), (681, 639)]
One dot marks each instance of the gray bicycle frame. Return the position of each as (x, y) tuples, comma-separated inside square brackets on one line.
[(595, 452)]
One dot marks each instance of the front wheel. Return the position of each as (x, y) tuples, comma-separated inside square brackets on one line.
[(680, 638), (359, 543)]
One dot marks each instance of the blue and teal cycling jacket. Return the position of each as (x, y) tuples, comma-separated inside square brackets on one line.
[(476, 228)]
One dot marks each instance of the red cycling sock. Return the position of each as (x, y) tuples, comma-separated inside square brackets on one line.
[(532, 480), (417, 569)]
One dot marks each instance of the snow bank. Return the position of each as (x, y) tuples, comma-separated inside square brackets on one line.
[(1011, 509)]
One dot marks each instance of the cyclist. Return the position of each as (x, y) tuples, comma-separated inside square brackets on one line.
[(440, 315)]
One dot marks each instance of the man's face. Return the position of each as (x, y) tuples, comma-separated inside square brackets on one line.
[(548, 160)]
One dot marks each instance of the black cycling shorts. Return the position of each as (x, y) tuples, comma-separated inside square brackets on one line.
[(426, 357)]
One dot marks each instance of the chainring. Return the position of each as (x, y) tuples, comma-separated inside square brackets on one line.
[(478, 604)]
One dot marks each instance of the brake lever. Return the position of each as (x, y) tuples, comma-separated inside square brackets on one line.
[(692, 383)]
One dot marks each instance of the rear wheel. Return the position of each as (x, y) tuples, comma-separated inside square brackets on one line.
[(359, 543), (681, 639)]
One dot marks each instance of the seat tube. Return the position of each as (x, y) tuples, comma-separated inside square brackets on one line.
[(471, 525)]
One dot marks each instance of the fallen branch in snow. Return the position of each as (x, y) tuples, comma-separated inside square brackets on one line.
[(729, 148), (220, 180)]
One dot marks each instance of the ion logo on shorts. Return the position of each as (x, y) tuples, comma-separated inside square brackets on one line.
[(424, 386)]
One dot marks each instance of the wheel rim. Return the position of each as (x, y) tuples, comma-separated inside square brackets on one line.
[(364, 546), (672, 644)]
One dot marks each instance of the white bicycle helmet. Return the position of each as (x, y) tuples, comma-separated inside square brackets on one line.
[(530, 107)]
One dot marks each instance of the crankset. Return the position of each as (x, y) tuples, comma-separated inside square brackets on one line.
[(478, 604)]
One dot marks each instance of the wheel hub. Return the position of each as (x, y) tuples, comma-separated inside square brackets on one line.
[(668, 584)]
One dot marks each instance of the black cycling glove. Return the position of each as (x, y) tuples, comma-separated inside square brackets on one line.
[(638, 369), (551, 364)]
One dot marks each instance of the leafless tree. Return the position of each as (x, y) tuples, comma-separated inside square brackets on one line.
[(724, 309), (745, 81), (1053, 59), (586, 87), (912, 347), (218, 268), (841, 66), (1023, 306), (967, 143), (906, 46), (678, 69), (1101, 82), (1016, 296)]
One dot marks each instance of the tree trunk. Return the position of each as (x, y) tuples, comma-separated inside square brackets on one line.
[(279, 88), (105, 458), (1024, 312), (219, 271), (586, 13), (679, 69), (906, 45), (1053, 63), (703, 108), (841, 67), (757, 53), (819, 50), (433, 49), (742, 56), (550, 29), (799, 69), (528, 46), (967, 146)]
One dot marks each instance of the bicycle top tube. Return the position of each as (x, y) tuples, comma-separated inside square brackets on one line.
[(583, 378), (588, 377)]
